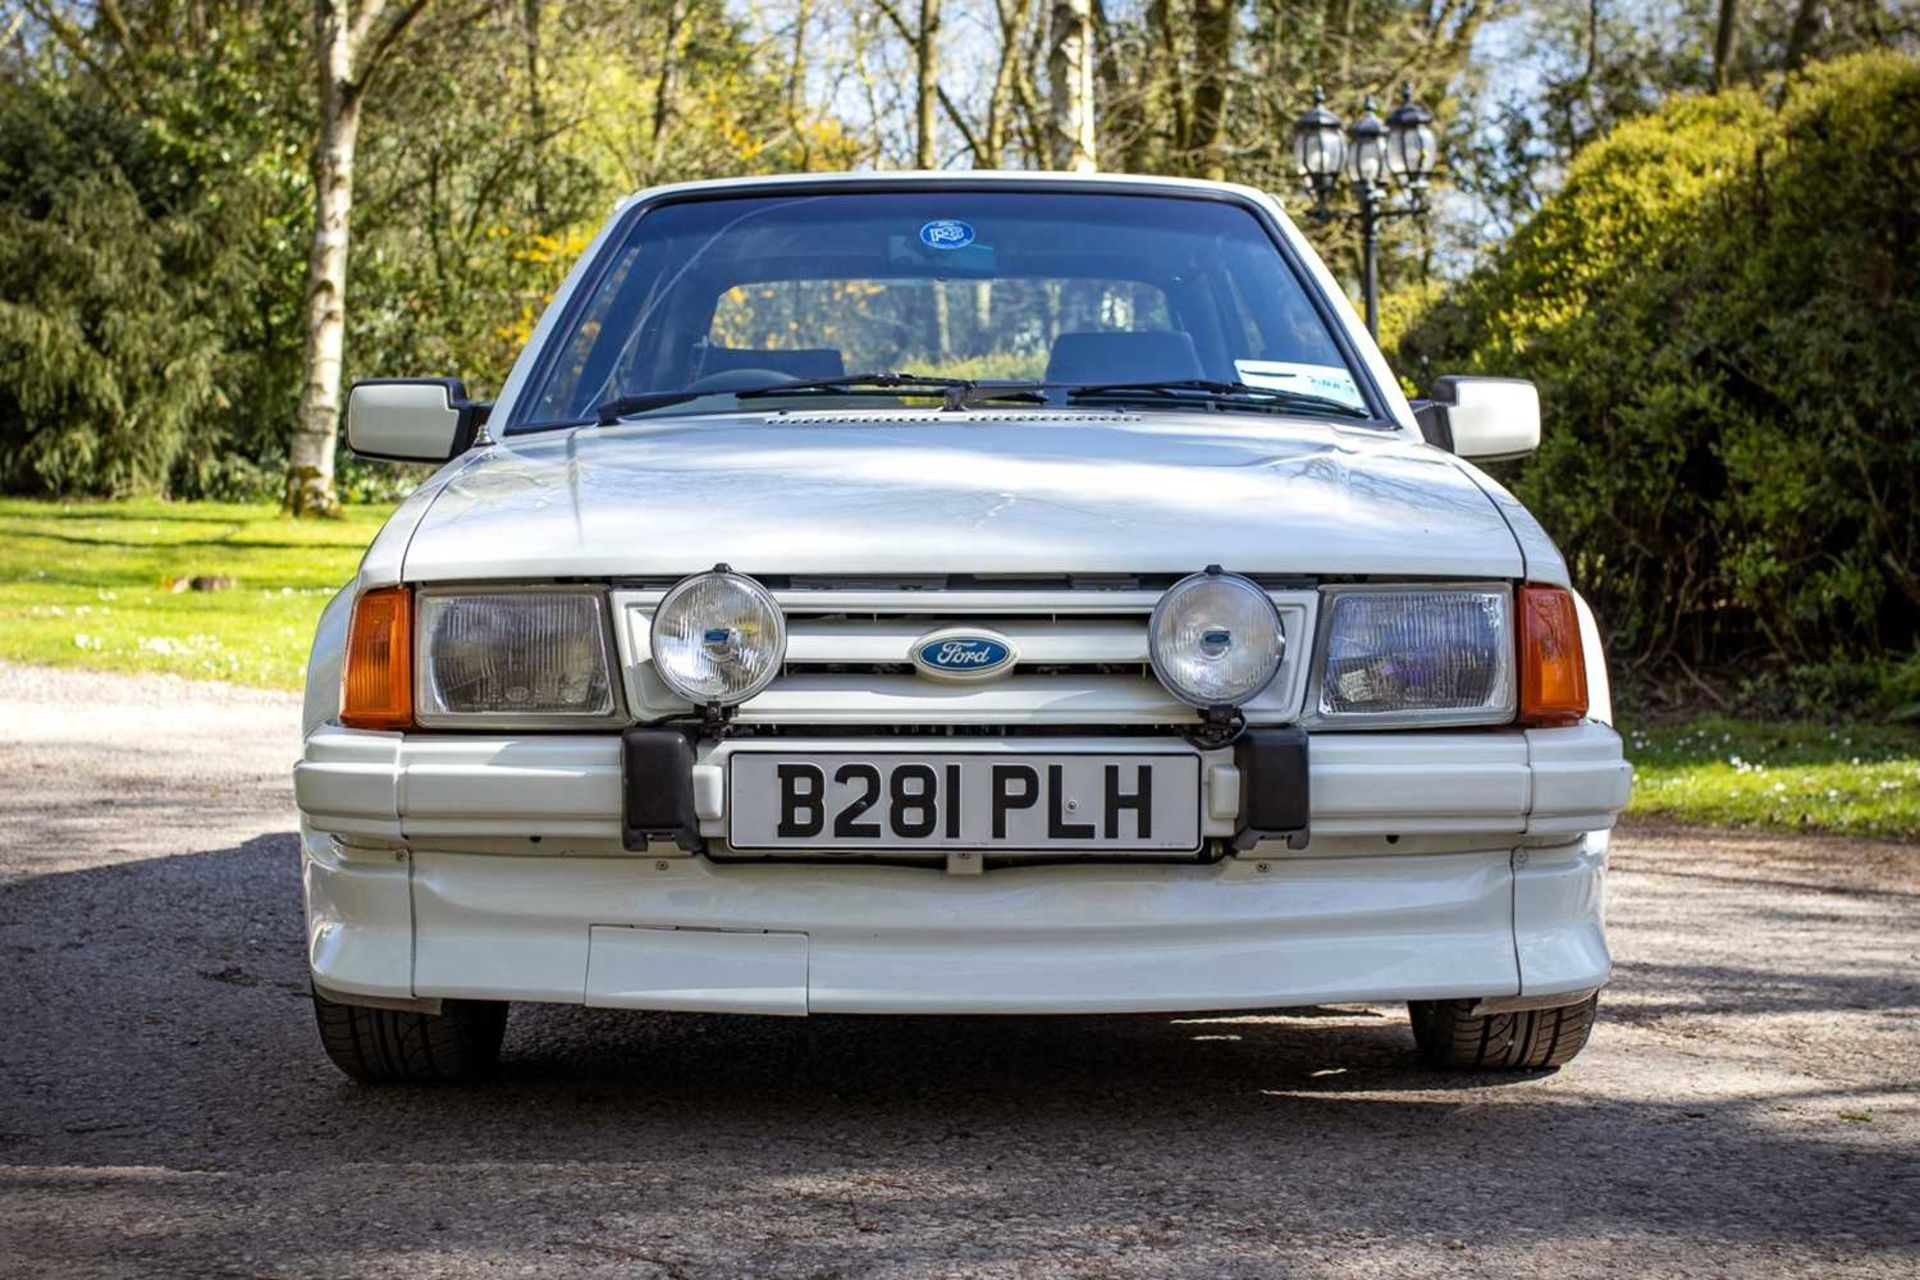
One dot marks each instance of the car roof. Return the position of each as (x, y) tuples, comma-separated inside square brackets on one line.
[(950, 178)]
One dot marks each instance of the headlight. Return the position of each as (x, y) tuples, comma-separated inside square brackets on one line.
[(1215, 640), (1410, 656), (532, 658), (718, 637)]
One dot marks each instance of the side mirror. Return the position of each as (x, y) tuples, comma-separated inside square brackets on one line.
[(1486, 419), (412, 419)]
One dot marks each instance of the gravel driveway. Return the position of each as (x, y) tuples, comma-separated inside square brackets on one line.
[(1747, 1106)]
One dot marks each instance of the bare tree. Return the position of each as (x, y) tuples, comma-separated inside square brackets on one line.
[(348, 47), (994, 135), (931, 98), (926, 81), (1070, 81)]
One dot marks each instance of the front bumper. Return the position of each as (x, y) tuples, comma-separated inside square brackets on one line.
[(440, 791), (1441, 865)]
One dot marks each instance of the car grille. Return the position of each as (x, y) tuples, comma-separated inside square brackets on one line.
[(1082, 648)]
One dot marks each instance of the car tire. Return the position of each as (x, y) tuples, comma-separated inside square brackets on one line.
[(1527, 1040), (380, 1046)]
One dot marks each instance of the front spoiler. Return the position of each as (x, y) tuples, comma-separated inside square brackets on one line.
[(690, 934)]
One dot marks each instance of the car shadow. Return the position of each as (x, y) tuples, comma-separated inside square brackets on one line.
[(157, 1019)]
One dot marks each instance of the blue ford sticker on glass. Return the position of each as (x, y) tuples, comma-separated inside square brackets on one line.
[(946, 233)]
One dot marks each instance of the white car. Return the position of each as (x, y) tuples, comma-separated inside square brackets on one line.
[(954, 594)]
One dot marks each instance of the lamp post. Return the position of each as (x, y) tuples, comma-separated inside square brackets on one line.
[(1371, 153)]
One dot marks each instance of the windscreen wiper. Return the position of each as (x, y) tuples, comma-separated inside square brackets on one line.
[(956, 393), (619, 407), (608, 412), (1213, 392), (882, 381)]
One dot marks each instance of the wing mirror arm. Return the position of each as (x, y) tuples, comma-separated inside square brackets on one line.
[(1431, 417)]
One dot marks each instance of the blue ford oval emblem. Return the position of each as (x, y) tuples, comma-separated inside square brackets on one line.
[(963, 655), (946, 233)]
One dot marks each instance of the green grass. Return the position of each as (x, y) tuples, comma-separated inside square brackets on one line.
[(1859, 779), (91, 584)]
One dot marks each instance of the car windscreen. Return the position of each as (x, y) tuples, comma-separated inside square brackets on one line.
[(715, 295)]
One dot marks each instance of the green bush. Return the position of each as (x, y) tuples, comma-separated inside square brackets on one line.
[(150, 273), (98, 341), (1722, 309)]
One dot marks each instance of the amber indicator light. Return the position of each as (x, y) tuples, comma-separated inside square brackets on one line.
[(377, 686), (1553, 669)]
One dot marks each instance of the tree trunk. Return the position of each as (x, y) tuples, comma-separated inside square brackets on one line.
[(536, 109), (1167, 94), (310, 488), (993, 136), (1213, 51), (1116, 99), (1806, 24), (346, 52), (926, 60), (797, 84), (1726, 38), (666, 87), (993, 143), (1070, 82), (926, 63)]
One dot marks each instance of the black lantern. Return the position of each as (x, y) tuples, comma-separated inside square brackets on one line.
[(1410, 142), (1367, 149), (1401, 149), (1319, 150)]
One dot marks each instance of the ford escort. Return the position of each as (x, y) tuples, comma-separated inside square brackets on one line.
[(954, 594)]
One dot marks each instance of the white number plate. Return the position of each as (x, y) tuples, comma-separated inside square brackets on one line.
[(878, 800)]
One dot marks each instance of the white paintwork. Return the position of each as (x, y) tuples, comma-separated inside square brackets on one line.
[(401, 789), (1095, 938), (359, 917), (975, 492), (1543, 561), (489, 866), (702, 970), (1559, 907), (405, 421), (1492, 419), (1599, 686)]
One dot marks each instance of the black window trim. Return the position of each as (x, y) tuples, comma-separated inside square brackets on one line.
[(1376, 401)]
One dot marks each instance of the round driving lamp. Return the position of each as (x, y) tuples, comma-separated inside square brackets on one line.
[(1215, 640), (1410, 142), (1367, 148), (718, 638), (1318, 147)]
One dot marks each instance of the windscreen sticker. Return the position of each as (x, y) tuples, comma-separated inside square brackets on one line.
[(946, 233), (1327, 380)]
